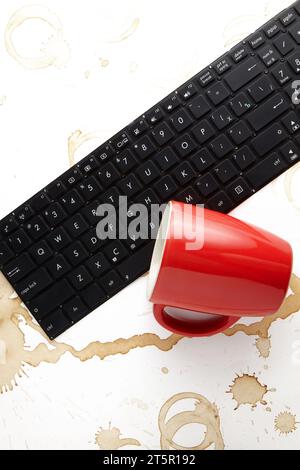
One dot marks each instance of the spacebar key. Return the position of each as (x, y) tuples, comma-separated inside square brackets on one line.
[(266, 171), (137, 264), (56, 295)]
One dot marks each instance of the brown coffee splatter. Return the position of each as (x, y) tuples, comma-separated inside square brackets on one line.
[(109, 439), (263, 346), (165, 370), (288, 184), (285, 422), (55, 52), (76, 139), (104, 62), (205, 413), (247, 390), (129, 32)]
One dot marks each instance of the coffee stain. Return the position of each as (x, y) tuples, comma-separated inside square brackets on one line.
[(288, 186), (127, 33), (103, 62), (247, 390), (75, 140), (87, 74), (164, 370), (268, 409), (55, 52), (239, 28), (285, 423), (263, 346), (205, 413), (261, 327), (110, 439)]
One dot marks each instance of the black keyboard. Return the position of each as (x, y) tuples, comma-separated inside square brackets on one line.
[(216, 140)]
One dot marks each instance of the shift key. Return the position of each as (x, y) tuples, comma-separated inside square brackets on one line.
[(33, 284), (270, 138), (269, 111), (266, 171)]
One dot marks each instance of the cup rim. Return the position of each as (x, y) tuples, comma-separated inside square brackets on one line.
[(159, 250)]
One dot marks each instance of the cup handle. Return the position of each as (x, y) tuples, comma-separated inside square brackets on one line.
[(188, 327)]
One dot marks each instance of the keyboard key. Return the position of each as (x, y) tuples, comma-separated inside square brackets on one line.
[(8, 225), (284, 44), (72, 177), (88, 165), (5, 253), (54, 214), (148, 172), (217, 93), (269, 139), (220, 202), (34, 284), (133, 267), (268, 111), (125, 161), (108, 175), (288, 17), (244, 158), (120, 141), (203, 131), (225, 171), (56, 295), (59, 238), (56, 190), (206, 77), (93, 295), (184, 145), (144, 147), (239, 133), (290, 152), (19, 240), (257, 40), (138, 127), (19, 268), (184, 173), (72, 201), (295, 32), (111, 282), (239, 53), (222, 118), (202, 160), (181, 120), (89, 188), (171, 103), (282, 74), (41, 252), (98, 265), (111, 197), (239, 190), (261, 89), (91, 241), (199, 107), (90, 213), (241, 104), (188, 196), (58, 266), (244, 73), (76, 253), (40, 201), (129, 186), (103, 153), (221, 146), (207, 185), (162, 134), (222, 65), (37, 227), (155, 115), (115, 252), (272, 29), (76, 226), (265, 171), (166, 187), (187, 91), (291, 122), (24, 213), (55, 324), (80, 278), (294, 61), (269, 56), (75, 309), (166, 159)]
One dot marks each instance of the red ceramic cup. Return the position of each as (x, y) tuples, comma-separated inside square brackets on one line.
[(239, 270)]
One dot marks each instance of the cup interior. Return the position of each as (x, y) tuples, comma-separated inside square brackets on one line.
[(159, 249)]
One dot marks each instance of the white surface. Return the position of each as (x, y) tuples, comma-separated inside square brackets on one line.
[(63, 405)]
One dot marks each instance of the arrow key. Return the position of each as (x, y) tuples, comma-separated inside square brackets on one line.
[(290, 152), (291, 122)]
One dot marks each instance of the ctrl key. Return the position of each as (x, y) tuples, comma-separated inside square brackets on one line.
[(55, 324)]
